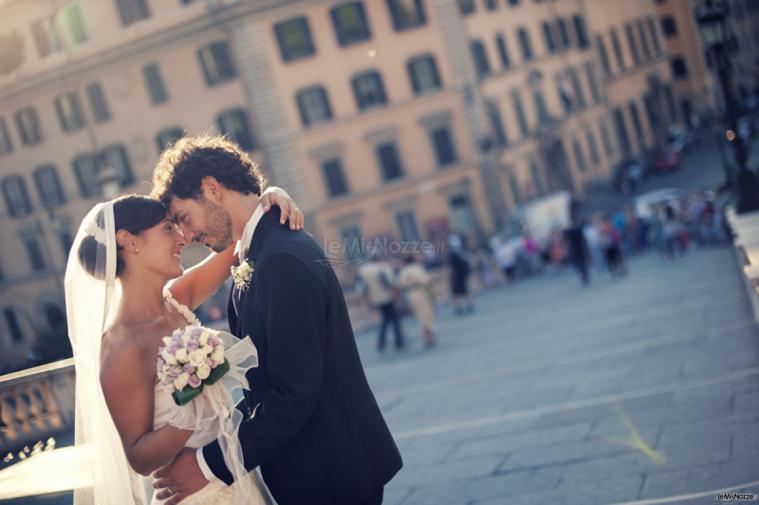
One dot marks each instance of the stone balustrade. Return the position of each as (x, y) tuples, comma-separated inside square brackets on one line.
[(745, 229), (36, 403)]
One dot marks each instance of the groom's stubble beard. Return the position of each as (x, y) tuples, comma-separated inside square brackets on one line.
[(218, 226)]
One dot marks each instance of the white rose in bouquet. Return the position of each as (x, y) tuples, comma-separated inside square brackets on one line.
[(182, 355), (181, 381), (203, 371), (168, 357), (198, 357), (218, 354)]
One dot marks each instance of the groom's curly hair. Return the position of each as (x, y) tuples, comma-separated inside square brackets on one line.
[(183, 165)]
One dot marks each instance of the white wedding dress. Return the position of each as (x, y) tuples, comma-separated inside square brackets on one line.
[(167, 412), (214, 492)]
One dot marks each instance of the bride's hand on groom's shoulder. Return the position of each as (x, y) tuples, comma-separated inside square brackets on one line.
[(180, 478), (277, 196)]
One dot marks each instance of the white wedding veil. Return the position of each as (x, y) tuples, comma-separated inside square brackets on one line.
[(90, 286)]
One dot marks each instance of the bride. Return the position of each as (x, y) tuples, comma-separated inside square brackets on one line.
[(119, 308)]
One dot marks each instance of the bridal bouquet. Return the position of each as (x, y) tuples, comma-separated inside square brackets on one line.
[(189, 359)]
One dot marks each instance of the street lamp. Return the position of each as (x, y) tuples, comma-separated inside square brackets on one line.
[(719, 135), (711, 21)]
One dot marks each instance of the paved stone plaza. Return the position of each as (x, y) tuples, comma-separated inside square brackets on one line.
[(629, 390)]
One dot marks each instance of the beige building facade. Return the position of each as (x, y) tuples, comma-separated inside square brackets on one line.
[(694, 84), (385, 119), (635, 64), (540, 90)]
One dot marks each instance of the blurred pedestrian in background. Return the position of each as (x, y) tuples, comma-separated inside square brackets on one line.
[(697, 207), (381, 291), (531, 254), (619, 222), (611, 244), (685, 217), (656, 226), (507, 256), (635, 229), (673, 232), (417, 284), (592, 240), (557, 252), (574, 236), (487, 268), (458, 259), (710, 228)]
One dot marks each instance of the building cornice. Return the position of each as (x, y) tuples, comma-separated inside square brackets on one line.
[(224, 18)]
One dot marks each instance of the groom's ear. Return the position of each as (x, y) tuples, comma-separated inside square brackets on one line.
[(211, 188)]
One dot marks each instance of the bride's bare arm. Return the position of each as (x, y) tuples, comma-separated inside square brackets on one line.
[(202, 280), (128, 387)]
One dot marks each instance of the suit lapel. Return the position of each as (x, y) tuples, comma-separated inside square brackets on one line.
[(232, 311), (268, 221), (236, 299)]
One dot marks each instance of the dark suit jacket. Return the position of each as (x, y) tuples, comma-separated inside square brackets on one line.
[(317, 434)]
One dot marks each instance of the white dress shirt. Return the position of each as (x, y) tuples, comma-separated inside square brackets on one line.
[(241, 250)]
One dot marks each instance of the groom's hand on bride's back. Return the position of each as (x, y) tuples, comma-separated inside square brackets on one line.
[(180, 478)]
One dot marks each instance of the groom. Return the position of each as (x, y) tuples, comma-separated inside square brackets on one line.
[(316, 430)]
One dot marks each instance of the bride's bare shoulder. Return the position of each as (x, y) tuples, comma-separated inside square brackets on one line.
[(121, 348), (124, 366)]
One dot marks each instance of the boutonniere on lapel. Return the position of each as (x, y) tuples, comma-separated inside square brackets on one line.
[(242, 274)]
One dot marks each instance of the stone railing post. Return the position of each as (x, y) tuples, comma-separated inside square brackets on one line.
[(35, 404)]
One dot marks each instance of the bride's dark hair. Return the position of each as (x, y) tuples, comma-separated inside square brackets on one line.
[(133, 213)]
